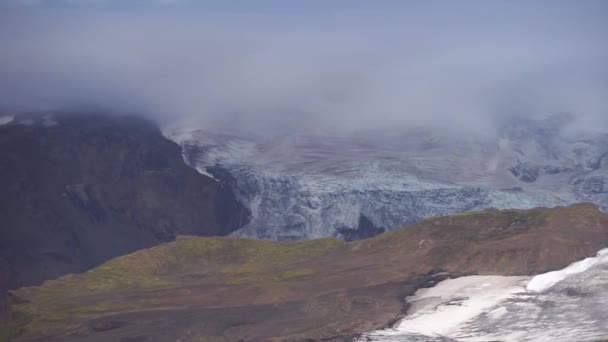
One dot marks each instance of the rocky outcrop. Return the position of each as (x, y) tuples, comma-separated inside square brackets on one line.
[(365, 229), (525, 173), (78, 190)]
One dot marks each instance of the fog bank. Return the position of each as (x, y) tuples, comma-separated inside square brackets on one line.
[(335, 68)]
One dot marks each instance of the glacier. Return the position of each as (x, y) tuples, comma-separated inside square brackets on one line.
[(565, 305), (302, 186)]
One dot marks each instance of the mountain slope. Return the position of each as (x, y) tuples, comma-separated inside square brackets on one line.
[(227, 289), (78, 190)]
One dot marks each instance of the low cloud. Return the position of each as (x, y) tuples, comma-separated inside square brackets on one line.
[(458, 66)]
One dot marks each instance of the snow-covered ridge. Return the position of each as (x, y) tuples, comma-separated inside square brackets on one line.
[(565, 305)]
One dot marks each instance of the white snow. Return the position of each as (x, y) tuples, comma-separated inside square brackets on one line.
[(544, 281), (510, 309), (442, 309), (498, 312), (5, 120), (204, 172)]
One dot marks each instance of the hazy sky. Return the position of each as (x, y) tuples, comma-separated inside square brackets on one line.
[(309, 65)]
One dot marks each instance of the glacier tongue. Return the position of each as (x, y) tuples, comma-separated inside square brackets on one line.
[(302, 187)]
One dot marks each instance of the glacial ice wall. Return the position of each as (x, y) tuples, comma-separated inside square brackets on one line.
[(311, 187)]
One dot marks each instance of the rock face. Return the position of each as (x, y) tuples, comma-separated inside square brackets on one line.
[(306, 186), (228, 289), (79, 190)]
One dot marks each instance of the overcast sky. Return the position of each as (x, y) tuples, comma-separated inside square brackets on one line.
[(310, 65)]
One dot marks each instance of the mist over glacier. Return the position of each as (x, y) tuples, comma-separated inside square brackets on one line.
[(276, 68), (328, 118)]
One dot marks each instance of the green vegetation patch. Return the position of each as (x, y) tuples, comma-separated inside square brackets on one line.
[(270, 261), (102, 290)]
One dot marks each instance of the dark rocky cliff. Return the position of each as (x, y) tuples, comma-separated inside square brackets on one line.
[(77, 190)]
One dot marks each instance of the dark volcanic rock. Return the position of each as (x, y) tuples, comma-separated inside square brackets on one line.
[(365, 229), (87, 188), (525, 172)]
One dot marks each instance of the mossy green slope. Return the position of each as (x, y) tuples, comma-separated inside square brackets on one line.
[(188, 261)]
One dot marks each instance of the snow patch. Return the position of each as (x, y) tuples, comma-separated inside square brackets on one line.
[(442, 309), (545, 281), (510, 309), (203, 171)]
